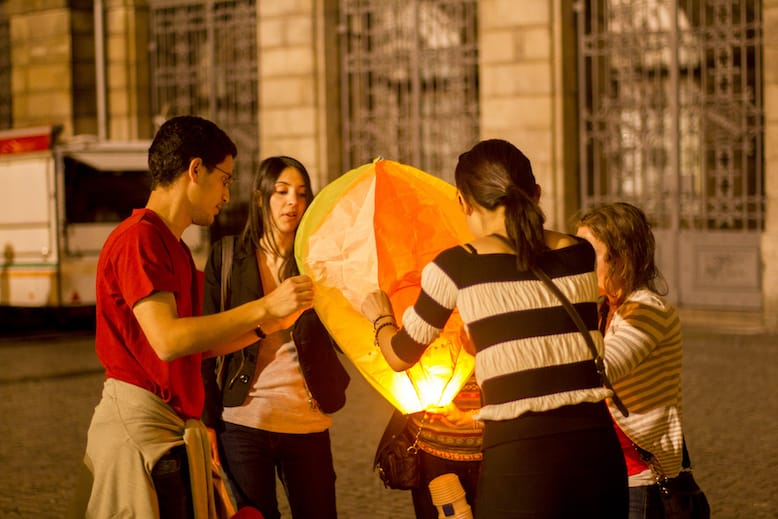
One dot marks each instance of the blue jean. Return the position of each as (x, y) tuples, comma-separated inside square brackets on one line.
[(645, 503), (304, 464)]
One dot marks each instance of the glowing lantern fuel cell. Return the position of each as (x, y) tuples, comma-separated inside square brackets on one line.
[(376, 226)]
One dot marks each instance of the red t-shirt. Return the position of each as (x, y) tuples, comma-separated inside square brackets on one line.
[(142, 256), (635, 465)]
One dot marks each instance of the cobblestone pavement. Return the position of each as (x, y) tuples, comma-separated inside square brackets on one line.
[(730, 385), (50, 383)]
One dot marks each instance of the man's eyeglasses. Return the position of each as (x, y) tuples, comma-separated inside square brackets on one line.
[(229, 180)]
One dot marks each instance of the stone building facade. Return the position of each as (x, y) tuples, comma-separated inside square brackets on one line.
[(528, 90)]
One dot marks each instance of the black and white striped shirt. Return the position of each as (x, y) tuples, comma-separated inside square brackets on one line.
[(529, 354)]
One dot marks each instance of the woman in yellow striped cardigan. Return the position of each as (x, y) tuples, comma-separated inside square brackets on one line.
[(643, 347)]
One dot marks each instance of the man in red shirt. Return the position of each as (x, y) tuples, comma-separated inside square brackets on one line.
[(147, 451)]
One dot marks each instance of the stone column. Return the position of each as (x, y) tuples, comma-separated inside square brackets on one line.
[(53, 67), (127, 70), (770, 235), (42, 64), (298, 96), (527, 90)]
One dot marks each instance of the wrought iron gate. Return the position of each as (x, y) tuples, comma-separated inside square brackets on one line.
[(204, 62), (410, 81), (671, 119)]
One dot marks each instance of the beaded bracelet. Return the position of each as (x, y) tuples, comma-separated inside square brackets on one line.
[(382, 316), (380, 327)]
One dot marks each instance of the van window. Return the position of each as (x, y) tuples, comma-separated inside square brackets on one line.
[(100, 196)]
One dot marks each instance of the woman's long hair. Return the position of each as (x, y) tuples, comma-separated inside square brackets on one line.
[(630, 246), (260, 222), (496, 173)]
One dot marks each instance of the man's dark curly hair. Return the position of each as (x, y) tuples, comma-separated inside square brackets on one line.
[(182, 139)]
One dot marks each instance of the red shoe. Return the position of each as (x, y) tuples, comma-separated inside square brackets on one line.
[(248, 512)]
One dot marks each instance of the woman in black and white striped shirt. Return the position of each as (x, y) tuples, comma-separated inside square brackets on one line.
[(550, 450)]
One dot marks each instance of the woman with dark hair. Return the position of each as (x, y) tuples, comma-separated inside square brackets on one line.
[(550, 450), (260, 400), (643, 346)]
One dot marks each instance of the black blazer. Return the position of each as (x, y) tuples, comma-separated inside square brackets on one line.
[(326, 378)]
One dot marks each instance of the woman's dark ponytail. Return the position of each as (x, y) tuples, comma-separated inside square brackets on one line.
[(524, 223), (496, 173)]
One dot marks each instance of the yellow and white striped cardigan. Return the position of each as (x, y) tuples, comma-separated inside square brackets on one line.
[(643, 353)]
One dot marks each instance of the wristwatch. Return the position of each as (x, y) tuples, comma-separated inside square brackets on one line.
[(259, 332)]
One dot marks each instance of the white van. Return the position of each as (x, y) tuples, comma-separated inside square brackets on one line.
[(58, 203)]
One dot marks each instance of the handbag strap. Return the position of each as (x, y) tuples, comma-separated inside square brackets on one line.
[(228, 246), (227, 250), (576, 317), (649, 458)]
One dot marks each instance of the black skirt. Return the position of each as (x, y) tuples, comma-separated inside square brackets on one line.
[(559, 464)]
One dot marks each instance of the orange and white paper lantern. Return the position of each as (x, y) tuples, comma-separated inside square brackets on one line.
[(375, 227)]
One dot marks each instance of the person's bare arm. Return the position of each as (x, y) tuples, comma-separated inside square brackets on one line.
[(385, 343), (224, 348), (172, 337), (378, 309)]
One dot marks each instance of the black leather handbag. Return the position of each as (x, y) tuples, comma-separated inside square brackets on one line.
[(397, 455), (681, 496)]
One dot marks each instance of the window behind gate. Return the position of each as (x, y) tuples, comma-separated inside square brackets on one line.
[(204, 62), (410, 81)]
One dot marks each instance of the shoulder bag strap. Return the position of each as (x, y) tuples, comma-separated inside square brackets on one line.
[(227, 248), (227, 252), (573, 313), (575, 316)]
